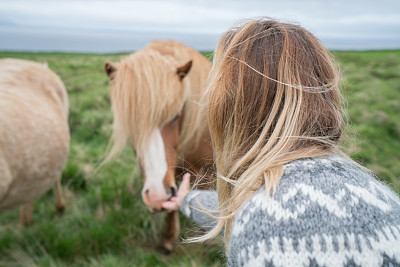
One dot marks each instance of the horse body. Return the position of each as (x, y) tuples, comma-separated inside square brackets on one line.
[(155, 99), (34, 133)]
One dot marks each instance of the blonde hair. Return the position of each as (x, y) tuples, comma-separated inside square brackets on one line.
[(147, 93), (273, 97)]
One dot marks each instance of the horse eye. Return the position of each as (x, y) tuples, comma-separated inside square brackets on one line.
[(175, 118)]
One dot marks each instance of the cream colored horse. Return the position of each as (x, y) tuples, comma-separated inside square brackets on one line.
[(34, 135), (155, 98)]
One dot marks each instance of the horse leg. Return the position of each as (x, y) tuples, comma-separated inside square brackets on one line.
[(25, 214), (60, 202), (171, 232)]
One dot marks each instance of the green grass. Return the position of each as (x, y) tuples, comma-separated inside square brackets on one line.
[(372, 90), (106, 222)]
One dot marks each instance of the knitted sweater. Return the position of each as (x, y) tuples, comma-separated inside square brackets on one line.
[(325, 212)]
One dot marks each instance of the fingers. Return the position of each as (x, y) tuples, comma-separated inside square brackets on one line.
[(169, 205), (184, 188), (174, 203)]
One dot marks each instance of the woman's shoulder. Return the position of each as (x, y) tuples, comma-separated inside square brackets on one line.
[(332, 176), (322, 208), (315, 169)]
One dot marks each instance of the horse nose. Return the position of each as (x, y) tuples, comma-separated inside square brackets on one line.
[(173, 191), (154, 197)]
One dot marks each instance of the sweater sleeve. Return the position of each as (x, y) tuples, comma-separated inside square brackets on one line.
[(198, 204)]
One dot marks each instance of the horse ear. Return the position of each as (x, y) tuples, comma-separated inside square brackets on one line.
[(184, 70), (110, 69)]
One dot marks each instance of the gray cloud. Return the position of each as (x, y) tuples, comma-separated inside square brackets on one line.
[(338, 19)]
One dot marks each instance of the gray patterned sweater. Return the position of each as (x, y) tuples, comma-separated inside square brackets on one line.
[(326, 212)]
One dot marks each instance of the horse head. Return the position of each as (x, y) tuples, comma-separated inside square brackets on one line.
[(151, 96)]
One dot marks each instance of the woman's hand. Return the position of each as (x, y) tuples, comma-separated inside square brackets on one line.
[(174, 203)]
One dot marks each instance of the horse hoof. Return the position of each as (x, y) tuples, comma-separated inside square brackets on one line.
[(60, 208), (25, 223), (164, 250)]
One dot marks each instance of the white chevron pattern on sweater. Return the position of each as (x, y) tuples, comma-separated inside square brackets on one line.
[(275, 208), (367, 197), (384, 190)]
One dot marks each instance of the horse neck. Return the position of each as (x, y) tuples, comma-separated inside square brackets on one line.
[(196, 146)]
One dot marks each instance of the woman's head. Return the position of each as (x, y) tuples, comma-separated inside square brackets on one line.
[(273, 97)]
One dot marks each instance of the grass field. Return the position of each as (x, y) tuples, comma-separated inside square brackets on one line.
[(106, 223)]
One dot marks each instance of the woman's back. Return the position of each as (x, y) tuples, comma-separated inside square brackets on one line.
[(325, 212)]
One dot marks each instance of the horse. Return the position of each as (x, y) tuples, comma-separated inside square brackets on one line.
[(34, 135), (155, 95)]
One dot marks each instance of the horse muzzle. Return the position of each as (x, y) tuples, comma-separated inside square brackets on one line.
[(153, 197)]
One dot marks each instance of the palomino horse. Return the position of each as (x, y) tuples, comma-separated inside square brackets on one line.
[(34, 135), (155, 100)]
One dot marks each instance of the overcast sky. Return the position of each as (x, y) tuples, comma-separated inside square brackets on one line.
[(120, 25)]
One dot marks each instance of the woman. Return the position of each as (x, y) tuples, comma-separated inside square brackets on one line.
[(287, 195)]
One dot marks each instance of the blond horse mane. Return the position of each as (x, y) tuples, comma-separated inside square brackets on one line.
[(147, 93)]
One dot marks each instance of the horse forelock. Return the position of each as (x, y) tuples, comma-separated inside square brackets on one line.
[(147, 93)]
